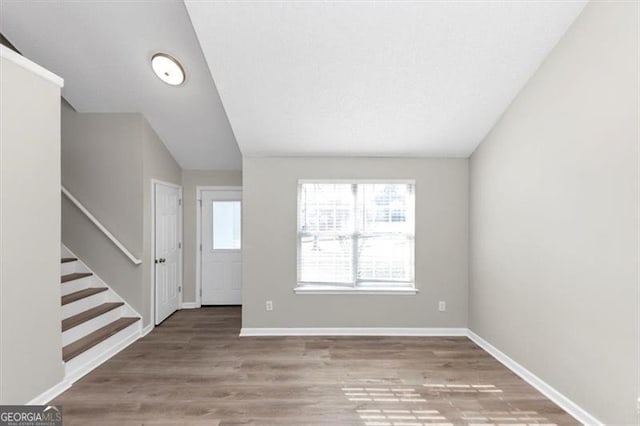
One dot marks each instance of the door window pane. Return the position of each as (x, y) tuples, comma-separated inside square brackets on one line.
[(227, 225)]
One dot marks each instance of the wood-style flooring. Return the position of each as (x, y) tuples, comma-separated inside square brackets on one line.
[(194, 369)]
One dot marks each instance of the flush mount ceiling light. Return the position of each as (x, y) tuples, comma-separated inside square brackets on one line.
[(168, 69)]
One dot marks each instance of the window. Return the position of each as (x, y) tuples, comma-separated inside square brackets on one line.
[(226, 225), (356, 236)]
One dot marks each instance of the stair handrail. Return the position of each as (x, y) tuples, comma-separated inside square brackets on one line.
[(100, 226)]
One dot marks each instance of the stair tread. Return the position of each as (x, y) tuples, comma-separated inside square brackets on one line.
[(74, 276), (68, 259), (74, 349), (89, 314), (72, 297)]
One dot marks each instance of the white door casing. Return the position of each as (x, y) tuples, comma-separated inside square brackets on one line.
[(167, 250), (221, 254)]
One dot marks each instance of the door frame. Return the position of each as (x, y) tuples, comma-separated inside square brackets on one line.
[(199, 191), (154, 182)]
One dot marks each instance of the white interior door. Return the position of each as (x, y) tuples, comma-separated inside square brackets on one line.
[(167, 250), (221, 247)]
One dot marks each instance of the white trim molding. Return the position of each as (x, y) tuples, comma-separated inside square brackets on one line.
[(389, 291), (354, 331), (50, 393), (543, 387), (25, 63), (190, 305), (146, 330), (356, 181), (101, 227)]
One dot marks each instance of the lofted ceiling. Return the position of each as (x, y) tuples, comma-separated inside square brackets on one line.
[(372, 78), (103, 49)]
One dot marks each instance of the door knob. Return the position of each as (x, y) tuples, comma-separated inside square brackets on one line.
[(161, 260)]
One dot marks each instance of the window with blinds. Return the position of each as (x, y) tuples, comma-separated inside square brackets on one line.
[(356, 235)]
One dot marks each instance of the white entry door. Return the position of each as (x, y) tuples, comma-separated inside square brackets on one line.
[(221, 247), (167, 250)]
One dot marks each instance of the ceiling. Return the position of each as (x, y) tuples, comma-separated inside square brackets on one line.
[(372, 78), (296, 78), (103, 51)]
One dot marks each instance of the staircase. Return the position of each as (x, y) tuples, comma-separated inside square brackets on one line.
[(96, 322)]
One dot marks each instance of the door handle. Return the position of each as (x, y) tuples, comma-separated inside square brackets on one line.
[(161, 260)]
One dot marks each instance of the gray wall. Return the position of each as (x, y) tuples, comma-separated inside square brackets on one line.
[(30, 336), (157, 164), (269, 245), (108, 161), (554, 219), (191, 179), (102, 168)]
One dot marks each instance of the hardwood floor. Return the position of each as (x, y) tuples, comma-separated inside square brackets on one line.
[(194, 369)]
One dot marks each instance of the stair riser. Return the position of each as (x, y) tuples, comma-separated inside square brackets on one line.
[(82, 305), (77, 285), (99, 350), (70, 268), (90, 326)]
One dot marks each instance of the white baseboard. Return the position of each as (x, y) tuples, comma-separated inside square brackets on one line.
[(353, 331), (148, 329), (543, 387), (190, 305), (72, 377), (50, 393)]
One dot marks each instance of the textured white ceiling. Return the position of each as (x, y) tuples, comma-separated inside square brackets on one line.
[(102, 49), (372, 78)]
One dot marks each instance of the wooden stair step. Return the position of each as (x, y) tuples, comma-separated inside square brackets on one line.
[(72, 297), (74, 276), (68, 259), (89, 314), (74, 349)]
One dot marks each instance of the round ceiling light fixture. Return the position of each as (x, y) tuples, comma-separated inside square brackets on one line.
[(168, 69)]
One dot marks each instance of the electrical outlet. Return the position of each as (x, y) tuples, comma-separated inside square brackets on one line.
[(269, 305), (442, 306)]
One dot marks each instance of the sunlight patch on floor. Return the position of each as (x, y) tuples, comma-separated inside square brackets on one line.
[(505, 418), (419, 415), (380, 417), (462, 388), (377, 394)]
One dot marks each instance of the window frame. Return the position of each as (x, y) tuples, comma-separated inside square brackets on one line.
[(356, 286)]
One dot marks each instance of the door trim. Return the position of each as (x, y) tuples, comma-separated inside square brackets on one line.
[(199, 191), (152, 292)]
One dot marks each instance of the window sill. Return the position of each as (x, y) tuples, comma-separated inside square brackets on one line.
[(316, 289)]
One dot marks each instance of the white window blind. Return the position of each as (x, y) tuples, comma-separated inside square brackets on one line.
[(356, 234)]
